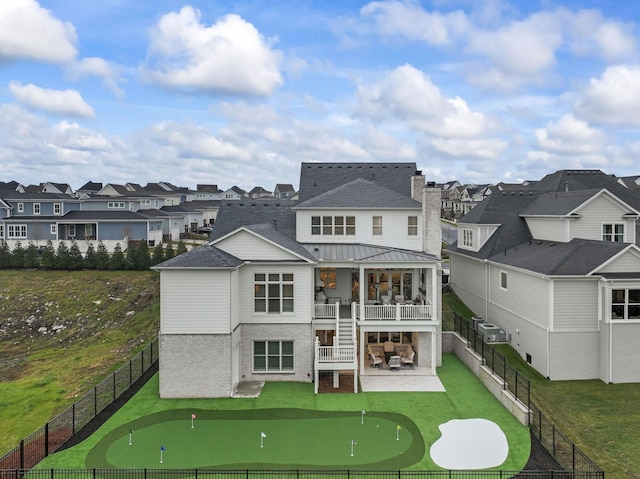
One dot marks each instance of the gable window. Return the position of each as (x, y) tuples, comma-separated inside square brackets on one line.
[(333, 225), (36, 208), (377, 225), (273, 293), (625, 304), (273, 355), (20, 207), (467, 237), (412, 226), (16, 231), (503, 280), (116, 204), (613, 232), (57, 208)]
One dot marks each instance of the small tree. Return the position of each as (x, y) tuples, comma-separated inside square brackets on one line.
[(132, 256), (90, 260), (31, 259), (118, 260), (17, 256), (169, 252), (158, 255), (75, 256), (48, 258), (62, 256), (5, 255), (182, 248), (102, 257), (143, 257)]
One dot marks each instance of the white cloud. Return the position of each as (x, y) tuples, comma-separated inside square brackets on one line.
[(56, 102), (614, 98), (408, 95), (570, 136), (229, 56), (486, 149), (109, 72), (29, 31), (409, 19)]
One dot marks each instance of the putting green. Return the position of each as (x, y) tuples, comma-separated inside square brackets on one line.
[(262, 439)]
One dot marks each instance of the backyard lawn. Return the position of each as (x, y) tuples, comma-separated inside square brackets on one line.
[(288, 427)]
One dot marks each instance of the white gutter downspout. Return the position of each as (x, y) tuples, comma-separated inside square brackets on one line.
[(549, 329), (486, 290)]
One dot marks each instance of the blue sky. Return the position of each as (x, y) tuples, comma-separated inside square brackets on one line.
[(240, 93)]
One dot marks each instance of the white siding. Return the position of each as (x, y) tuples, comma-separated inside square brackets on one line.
[(575, 305), (601, 210), (394, 228), (628, 262), (302, 293), (467, 278), (574, 356), (548, 229), (526, 296), (247, 246), (195, 302)]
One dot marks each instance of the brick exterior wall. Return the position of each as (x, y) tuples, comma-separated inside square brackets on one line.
[(303, 341), (195, 365)]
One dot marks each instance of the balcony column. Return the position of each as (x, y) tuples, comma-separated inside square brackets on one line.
[(434, 291)]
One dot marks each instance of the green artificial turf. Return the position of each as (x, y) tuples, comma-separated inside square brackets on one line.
[(227, 430)]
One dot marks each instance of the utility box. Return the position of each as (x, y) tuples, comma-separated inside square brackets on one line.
[(492, 333), (475, 322)]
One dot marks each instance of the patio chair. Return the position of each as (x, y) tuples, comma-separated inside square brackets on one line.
[(407, 360), (375, 360), (399, 299)]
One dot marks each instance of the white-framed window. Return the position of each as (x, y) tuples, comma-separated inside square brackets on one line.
[(16, 231), (20, 207), (2, 231), (53, 229), (333, 225), (145, 202), (613, 232), (412, 226), (116, 204), (503, 280), (36, 208), (273, 293), (57, 208), (273, 356), (467, 237), (72, 231), (377, 226), (88, 230), (625, 304)]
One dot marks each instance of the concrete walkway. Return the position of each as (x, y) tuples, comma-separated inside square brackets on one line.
[(401, 383), (248, 389)]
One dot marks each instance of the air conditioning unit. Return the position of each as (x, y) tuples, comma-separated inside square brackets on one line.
[(492, 333), (476, 322)]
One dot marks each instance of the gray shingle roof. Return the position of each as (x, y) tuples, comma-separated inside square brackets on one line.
[(207, 256), (318, 178), (268, 231), (235, 214), (558, 202), (360, 193), (575, 258)]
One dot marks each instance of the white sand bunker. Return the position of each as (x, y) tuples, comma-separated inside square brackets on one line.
[(470, 444)]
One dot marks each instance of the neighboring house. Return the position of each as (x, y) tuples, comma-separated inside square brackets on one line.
[(259, 192), (286, 290), (88, 189), (207, 193), (234, 193), (556, 270), (284, 191), (192, 217)]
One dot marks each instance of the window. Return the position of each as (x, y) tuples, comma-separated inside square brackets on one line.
[(467, 237), (503, 279), (16, 231), (2, 231), (273, 293), (273, 355), (20, 207), (57, 209), (412, 226), (625, 304), (115, 204), (53, 229), (333, 225), (36, 208), (328, 277), (72, 231), (377, 225), (613, 232)]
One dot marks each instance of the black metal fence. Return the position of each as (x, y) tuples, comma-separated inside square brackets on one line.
[(284, 474), (46, 440), (563, 450)]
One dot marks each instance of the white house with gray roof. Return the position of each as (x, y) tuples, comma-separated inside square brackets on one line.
[(559, 273), (289, 290)]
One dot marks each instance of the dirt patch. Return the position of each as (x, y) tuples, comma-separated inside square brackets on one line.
[(325, 384)]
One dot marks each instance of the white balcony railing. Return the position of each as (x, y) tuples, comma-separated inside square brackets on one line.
[(336, 354), (326, 311), (398, 312)]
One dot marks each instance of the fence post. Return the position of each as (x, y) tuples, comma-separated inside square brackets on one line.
[(46, 440), (130, 372), (22, 454), (73, 418), (95, 401), (516, 384), (573, 456), (553, 438)]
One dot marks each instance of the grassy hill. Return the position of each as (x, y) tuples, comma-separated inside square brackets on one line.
[(61, 332)]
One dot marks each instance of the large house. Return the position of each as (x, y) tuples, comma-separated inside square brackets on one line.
[(287, 290), (555, 271)]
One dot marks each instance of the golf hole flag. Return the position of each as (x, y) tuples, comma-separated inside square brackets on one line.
[(162, 449), (193, 416), (262, 436), (398, 432)]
